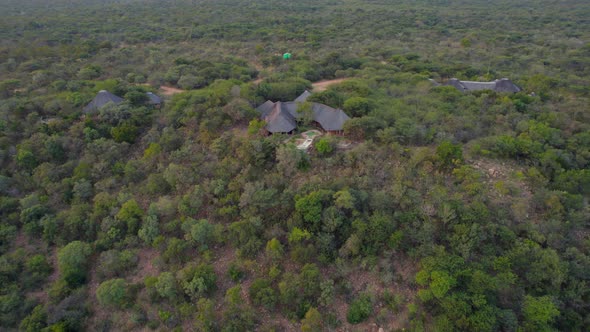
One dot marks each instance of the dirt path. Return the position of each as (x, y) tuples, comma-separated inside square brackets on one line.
[(323, 85), (169, 91)]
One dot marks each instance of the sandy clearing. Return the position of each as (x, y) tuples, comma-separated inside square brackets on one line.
[(320, 86), (169, 91)]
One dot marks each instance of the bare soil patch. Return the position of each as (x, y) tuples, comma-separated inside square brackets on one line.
[(324, 84), (169, 90), (145, 265), (503, 171), (362, 280)]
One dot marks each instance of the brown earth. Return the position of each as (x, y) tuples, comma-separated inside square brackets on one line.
[(324, 84), (169, 91)]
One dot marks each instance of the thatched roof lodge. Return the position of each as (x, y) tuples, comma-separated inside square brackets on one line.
[(281, 117), (501, 85), (102, 98)]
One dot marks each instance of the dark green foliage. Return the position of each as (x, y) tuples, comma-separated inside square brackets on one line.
[(199, 281), (357, 106), (310, 208), (113, 293), (235, 272), (125, 132), (237, 315), (300, 292), (73, 262), (38, 268), (136, 98), (200, 232), (35, 321), (282, 91), (324, 146), (262, 293), (359, 310), (449, 155)]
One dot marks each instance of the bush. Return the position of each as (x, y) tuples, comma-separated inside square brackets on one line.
[(113, 293), (449, 155), (37, 268), (324, 146), (35, 321), (72, 262), (359, 310), (235, 272), (262, 293), (357, 106), (198, 281), (124, 133)]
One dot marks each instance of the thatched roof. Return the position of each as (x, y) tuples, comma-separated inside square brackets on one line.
[(506, 85), (281, 117), (153, 99), (329, 118), (102, 98), (303, 97), (279, 120), (503, 85), (265, 108), (475, 86)]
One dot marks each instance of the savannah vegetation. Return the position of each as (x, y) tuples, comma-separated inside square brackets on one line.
[(447, 212)]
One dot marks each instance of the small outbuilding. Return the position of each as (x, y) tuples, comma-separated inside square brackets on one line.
[(102, 98)]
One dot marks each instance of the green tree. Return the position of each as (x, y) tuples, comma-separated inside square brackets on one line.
[(200, 233), (113, 293), (136, 98), (449, 155), (149, 230), (539, 313), (198, 281), (310, 208), (125, 132), (38, 268), (312, 322), (26, 159), (72, 261), (274, 249), (237, 315), (131, 214), (205, 319), (357, 106), (324, 146), (359, 310), (262, 293), (35, 321), (166, 286)]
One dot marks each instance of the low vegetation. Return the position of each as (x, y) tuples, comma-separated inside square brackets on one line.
[(448, 211)]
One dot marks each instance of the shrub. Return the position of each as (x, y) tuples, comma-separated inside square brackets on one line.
[(198, 281), (262, 293), (112, 293), (359, 310), (72, 262), (449, 154), (357, 106), (324, 146)]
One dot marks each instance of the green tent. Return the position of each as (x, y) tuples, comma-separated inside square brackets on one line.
[(287, 56)]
